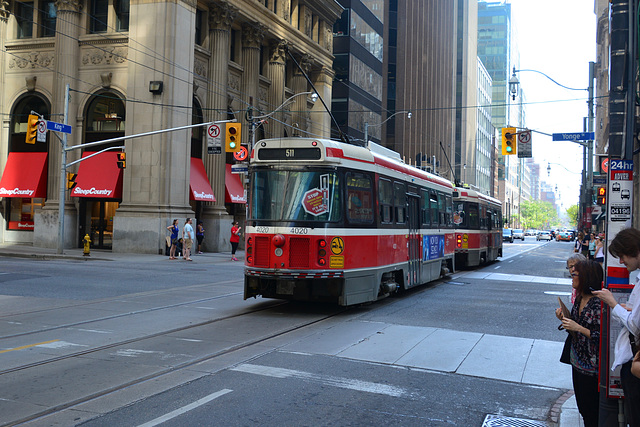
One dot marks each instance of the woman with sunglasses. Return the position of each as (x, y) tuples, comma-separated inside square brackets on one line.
[(585, 323)]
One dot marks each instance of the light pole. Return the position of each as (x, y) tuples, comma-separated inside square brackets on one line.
[(588, 148), (257, 120), (366, 125)]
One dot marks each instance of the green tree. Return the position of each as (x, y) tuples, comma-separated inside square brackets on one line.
[(572, 213), (538, 214)]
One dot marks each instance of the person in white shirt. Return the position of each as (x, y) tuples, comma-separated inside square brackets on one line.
[(188, 236), (626, 247)]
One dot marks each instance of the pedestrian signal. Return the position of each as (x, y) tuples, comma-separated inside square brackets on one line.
[(32, 128), (122, 160), (71, 180), (232, 137), (602, 195), (508, 141)]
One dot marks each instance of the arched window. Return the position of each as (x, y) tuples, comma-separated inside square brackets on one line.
[(197, 133), (19, 117), (104, 117)]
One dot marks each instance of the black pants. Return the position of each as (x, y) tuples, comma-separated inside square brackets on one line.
[(631, 388), (587, 397), (234, 247)]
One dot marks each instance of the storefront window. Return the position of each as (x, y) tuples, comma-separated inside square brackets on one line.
[(105, 117)]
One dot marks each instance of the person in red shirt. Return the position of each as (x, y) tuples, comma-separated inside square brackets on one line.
[(235, 239)]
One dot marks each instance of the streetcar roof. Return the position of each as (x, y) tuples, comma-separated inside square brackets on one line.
[(461, 193), (339, 152)]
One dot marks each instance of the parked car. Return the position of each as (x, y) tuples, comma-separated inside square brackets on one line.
[(507, 235), (518, 234), (564, 236), (544, 235)]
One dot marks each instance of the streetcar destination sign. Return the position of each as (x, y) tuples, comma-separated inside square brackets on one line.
[(577, 136)]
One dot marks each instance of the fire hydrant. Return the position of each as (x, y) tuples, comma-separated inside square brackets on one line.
[(87, 245)]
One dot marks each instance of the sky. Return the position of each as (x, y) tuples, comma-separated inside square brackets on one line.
[(558, 38)]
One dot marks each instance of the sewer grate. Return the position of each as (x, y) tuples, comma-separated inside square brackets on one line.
[(502, 421)]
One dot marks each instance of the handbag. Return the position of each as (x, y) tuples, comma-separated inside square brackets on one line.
[(565, 357)]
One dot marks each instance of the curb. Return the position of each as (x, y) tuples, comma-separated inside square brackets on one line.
[(556, 409)]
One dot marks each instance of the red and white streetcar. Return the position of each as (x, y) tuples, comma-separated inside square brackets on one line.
[(341, 223), (477, 219)]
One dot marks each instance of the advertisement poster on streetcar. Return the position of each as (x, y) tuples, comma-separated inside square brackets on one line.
[(316, 201), (432, 247)]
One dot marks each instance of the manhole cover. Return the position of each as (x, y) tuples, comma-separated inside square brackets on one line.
[(502, 421)]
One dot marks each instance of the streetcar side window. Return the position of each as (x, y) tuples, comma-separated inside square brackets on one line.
[(473, 221), (359, 198), (442, 210), (400, 202), (433, 202), (448, 215), (424, 208), (385, 200)]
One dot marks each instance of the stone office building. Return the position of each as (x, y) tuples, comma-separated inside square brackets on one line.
[(139, 66)]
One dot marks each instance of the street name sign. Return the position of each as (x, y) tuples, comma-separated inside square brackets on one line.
[(58, 127), (577, 136), (240, 168)]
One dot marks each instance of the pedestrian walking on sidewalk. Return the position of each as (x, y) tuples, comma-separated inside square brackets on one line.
[(585, 343), (626, 247), (173, 229), (188, 236), (234, 239)]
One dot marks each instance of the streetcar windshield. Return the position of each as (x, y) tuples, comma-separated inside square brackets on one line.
[(292, 195)]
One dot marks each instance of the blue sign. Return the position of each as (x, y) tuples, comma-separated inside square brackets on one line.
[(432, 247), (578, 136), (58, 127)]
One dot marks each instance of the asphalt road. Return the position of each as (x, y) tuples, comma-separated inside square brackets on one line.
[(174, 343)]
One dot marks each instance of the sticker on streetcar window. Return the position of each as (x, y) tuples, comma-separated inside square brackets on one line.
[(336, 261), (316, 201), (432, 247), (458, 217)]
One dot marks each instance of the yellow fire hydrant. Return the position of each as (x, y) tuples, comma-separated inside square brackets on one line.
[(87, 245)]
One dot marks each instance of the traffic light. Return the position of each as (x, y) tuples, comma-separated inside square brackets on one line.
[(232, 137), (508, 141), (71, 180), (32, 128), (602, 195), (122, 160)]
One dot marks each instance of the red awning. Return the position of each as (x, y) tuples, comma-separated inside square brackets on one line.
[(234, 190), (25, 175), (99, 177), (199, 186)]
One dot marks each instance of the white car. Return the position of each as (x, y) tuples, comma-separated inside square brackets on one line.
[(518, 234), (544, 235)]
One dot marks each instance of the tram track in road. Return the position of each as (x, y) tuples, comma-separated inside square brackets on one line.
[(162, 371)]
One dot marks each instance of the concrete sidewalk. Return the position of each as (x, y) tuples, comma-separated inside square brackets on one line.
[(538, 356)]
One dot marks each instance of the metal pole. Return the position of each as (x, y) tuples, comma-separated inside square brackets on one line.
[(590, 143), (63, 174), (366, 132)]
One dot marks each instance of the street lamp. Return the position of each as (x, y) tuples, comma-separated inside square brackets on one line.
[(366, 125), (257, 120), (588, 147)]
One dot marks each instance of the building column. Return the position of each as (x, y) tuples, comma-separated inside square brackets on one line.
[(276, 73), (156, 181), (215, 218), (321, 121), (67, 54), (300, 116), (252, 37)]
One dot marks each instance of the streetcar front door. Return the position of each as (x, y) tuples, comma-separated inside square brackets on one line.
[(415, 240)]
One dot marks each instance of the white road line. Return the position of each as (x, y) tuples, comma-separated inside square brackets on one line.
[(347, 383), (186, 408)]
